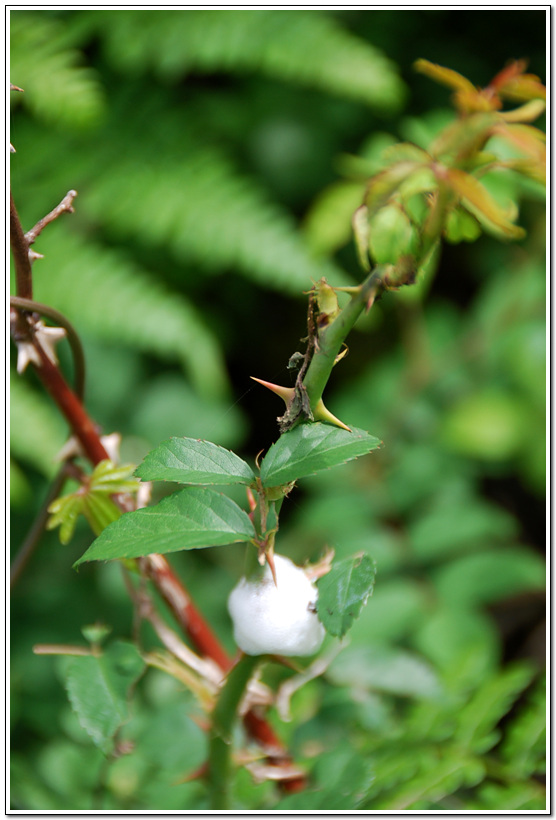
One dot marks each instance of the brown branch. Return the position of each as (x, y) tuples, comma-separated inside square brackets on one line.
[(65, 207), (20, 251)]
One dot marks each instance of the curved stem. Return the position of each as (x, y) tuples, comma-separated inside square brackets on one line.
[(73, 338), (223, 719)]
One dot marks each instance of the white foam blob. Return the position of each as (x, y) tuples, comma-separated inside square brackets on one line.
[(276, 620)]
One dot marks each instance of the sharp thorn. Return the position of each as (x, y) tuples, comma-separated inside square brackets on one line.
[(285, 393)]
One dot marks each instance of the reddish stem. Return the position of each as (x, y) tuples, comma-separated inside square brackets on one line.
[(71, 408), (155, 566), (186, 614)]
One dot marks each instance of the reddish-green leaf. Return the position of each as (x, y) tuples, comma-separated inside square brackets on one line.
[(476, 197)]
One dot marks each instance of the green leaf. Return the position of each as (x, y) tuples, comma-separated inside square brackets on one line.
[(99, 510), (191, 461), (384, 185), (489, 424), (343, 592), (311, 447), (328, 224), (461, 226), (361, 234), (98, 687), (64, 512), (489, 575), (189, 519), (113, 478), (462, 644), (227, 221), (391, 235)]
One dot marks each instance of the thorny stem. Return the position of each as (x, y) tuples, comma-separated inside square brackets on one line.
[(331, 338), (156, 566)]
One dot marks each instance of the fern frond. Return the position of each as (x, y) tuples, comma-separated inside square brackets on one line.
[(37, 431), (303, 47), (511, 797), (478, 719), (524, 746), (439, 777), (110, 297), (56, 88), (206, 212)]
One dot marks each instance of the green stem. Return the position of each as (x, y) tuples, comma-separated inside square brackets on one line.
[(332, 337), (223, 719)]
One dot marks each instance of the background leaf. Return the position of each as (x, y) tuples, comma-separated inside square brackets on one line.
[(311, 447), (56, 87), (98, 688), (384, 669), (343, 592), (124, 302), (189, 519), (37, 432), (310, 48), (191, 461)]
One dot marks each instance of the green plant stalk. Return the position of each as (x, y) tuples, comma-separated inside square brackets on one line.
[(331, 338), (224, 717)]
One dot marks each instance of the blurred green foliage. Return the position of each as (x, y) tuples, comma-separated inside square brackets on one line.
[(218, 157)]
